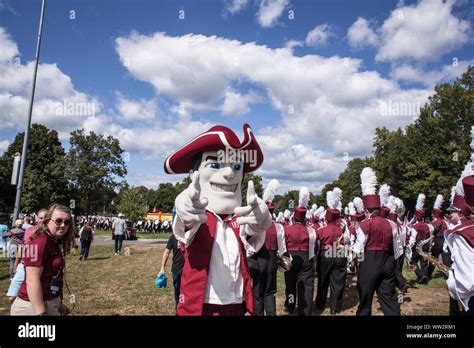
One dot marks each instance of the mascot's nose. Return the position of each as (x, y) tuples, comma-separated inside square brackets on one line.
[(227, 172)]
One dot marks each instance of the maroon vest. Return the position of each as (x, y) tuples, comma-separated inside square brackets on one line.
[(328, 235), (436, 222), (297, 238), (196, 268), (271, 238), (379, 233), (422, 229)]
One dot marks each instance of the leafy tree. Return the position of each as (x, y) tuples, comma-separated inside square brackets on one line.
[(93, 163), (132, 203), (45, 181), (429, 155)]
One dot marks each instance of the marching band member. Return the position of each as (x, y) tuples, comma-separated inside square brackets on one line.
[(420, 231), (393, 217), (438, 226), (215, 233), (263, 264), (459, 238), (331, 263), (374, 245), (300, 242)]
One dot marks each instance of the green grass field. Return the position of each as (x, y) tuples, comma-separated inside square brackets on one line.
[(105, 233), (125, 285)]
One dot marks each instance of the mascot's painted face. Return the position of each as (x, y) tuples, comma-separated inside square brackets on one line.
[(220, 182)]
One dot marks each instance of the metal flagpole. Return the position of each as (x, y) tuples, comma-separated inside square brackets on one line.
[(24, 153)]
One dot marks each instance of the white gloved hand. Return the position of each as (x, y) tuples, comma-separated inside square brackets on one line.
[(189, 207), (255, 213)]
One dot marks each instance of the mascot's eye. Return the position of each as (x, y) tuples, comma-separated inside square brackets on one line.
[(237, 166), (215, 165)]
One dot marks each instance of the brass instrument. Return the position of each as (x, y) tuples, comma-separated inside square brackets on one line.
[(284, 262), (435, 262)]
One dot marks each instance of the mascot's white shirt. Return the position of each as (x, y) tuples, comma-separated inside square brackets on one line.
[(225, 284)]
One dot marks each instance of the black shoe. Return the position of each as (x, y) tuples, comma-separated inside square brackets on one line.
[(404, 288), (80, 258)]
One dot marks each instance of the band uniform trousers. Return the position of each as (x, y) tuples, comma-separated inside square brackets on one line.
[(400, 280), (420, 263), (377, 274), (436, 251), (263, 270), (332, 272), (299, 281)]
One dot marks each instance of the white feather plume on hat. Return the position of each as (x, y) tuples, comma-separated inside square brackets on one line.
[(314, 207), (271, 190), (368, 181), (280, 217), (303, 198), (359, 204), (346, 211), (286, 214), (438, 202), (420, 202), (391, 203), (319, 212), (351, 208), (399, 203), (384, 193)]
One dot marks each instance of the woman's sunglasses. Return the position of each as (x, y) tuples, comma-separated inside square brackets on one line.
[(59, 222)]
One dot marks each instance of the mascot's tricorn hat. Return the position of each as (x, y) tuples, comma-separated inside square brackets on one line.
[(216, 138)]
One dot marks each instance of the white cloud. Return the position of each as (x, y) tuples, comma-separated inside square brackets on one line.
[(9, 48), (328, 106), (238, 104), (413, 74), (235, 6), (57, 103), (4, 146), (270, 11), (423, 32), (360, 34), (136, 110), (290, 44), (319, 36)]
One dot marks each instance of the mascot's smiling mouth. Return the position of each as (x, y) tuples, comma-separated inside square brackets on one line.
[(223, 188)]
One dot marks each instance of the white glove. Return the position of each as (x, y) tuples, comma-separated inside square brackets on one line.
[(189, 208), (255, 213)]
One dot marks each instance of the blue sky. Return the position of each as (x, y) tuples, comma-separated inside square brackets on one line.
[(156, 80)]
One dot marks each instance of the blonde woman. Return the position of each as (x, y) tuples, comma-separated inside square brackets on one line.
[(41, 292)]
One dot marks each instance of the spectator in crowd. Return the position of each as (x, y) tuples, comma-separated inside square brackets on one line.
[(15, 239), (26, 223), (18, 267), (3, 229), (118, 229), (86, 235), (176, 266), (41, 292)]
